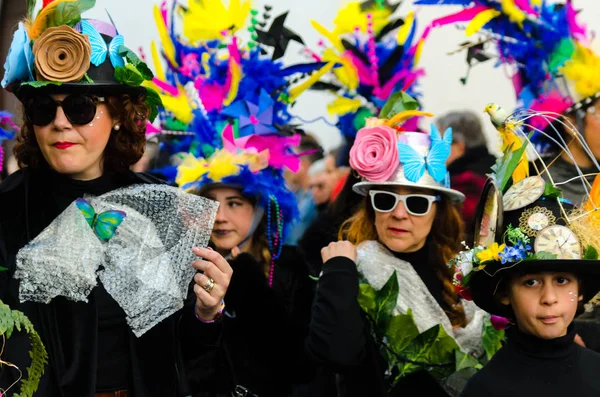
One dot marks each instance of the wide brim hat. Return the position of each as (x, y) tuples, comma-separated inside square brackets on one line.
[(421, 144), (542, 219)]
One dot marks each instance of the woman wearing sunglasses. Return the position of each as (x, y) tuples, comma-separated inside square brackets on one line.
[(84, 127), (407, 228)]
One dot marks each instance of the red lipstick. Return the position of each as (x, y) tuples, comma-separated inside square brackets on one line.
[(63, 145)]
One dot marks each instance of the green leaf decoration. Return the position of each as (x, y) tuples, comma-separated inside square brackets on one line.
[(379, 305), (590, 253), (551, 191), (69, 13), (544, 256), (133, 59), (464, 360), (128, 75), (3, 269), (87, 79), (360, 118), (491, 339), (366, 298), (396, 103), (506, 165), (40, 84), (401, 331), (11, 320), (154, 102)]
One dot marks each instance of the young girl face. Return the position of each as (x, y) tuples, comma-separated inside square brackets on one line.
[(75, 150), (233, 220), (544, 303)]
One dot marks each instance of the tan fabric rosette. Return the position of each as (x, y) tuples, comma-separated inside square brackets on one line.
[(62, 54)]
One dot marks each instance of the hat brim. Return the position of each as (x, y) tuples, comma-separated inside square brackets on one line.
[(363, 188), (24, 91), (484, 283)]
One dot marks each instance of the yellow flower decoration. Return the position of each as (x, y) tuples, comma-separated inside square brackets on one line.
[(492, 253)]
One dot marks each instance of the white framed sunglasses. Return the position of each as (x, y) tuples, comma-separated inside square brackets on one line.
[(415, 204)]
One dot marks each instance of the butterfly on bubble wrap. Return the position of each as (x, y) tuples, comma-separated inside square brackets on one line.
[(414, 164), (103, 224), (99, 48)]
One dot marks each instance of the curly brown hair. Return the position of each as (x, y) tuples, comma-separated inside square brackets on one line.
[(446, 233), (124, 148)]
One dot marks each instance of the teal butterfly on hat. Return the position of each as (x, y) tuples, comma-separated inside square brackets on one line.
[(99, 47), (415, 164), (104, 224)]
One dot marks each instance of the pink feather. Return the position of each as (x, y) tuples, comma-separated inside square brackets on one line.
[(524, 5), (578, 30), (166, 87), (363, 71), (554, 102), (461, 16)]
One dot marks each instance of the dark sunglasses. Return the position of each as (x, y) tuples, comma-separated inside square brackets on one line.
[(415, 204), (79, 109)]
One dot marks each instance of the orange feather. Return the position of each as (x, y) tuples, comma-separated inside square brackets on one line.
[(36, 28)]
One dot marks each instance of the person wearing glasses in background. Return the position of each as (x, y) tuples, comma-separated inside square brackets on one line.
[(408, 223), (84, 129)]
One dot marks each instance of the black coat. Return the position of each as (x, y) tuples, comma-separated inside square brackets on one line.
[(29, 201), (529, 366), (341, 339), (263, 331)]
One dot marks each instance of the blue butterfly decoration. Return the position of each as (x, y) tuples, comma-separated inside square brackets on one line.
[(104, 224), (415, 164), (99, 47)]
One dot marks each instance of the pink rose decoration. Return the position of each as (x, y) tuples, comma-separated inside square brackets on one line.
[(374, 154)]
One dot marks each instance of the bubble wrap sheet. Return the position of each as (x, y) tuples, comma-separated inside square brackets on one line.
[(145, 266)]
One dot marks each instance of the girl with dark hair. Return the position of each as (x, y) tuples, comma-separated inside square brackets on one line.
[(397, 245), (118, 334)]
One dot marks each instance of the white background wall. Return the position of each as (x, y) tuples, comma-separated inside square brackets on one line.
[(441, 87)]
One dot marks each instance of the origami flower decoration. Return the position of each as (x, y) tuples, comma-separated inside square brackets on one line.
[(253, 118), (19, 62)]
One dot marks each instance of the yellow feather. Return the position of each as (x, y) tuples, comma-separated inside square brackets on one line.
[(178, 105), (223, 164), (405, 115), (405, 29), (419, 51), (37, 27), (299, 89), (159, 71), (346, 73), (513, 12), (236, 77), (333, 39), (165, 40), (190, 170), (481, 19), (342, 105)]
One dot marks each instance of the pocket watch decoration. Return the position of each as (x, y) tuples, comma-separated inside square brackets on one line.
[(523, 193), (560, 241), (534, 219)]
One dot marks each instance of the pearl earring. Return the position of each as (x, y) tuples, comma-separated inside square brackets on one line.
[(117, 127)]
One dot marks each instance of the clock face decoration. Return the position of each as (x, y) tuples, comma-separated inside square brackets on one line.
[(524, 193), (560, 241), (488, 218)]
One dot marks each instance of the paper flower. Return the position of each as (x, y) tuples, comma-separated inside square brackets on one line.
[(374, 154), (19, 60), (492, 253), (253, 118), (62, 54), (499, 323)]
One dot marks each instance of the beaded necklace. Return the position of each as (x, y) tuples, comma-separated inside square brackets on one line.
[(274, 236)]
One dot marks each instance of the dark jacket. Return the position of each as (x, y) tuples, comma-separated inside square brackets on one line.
[(530, 366), (264, 329), (341, 338), (29, 201)]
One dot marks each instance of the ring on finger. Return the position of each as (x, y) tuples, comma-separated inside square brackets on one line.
[(210, 284)]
